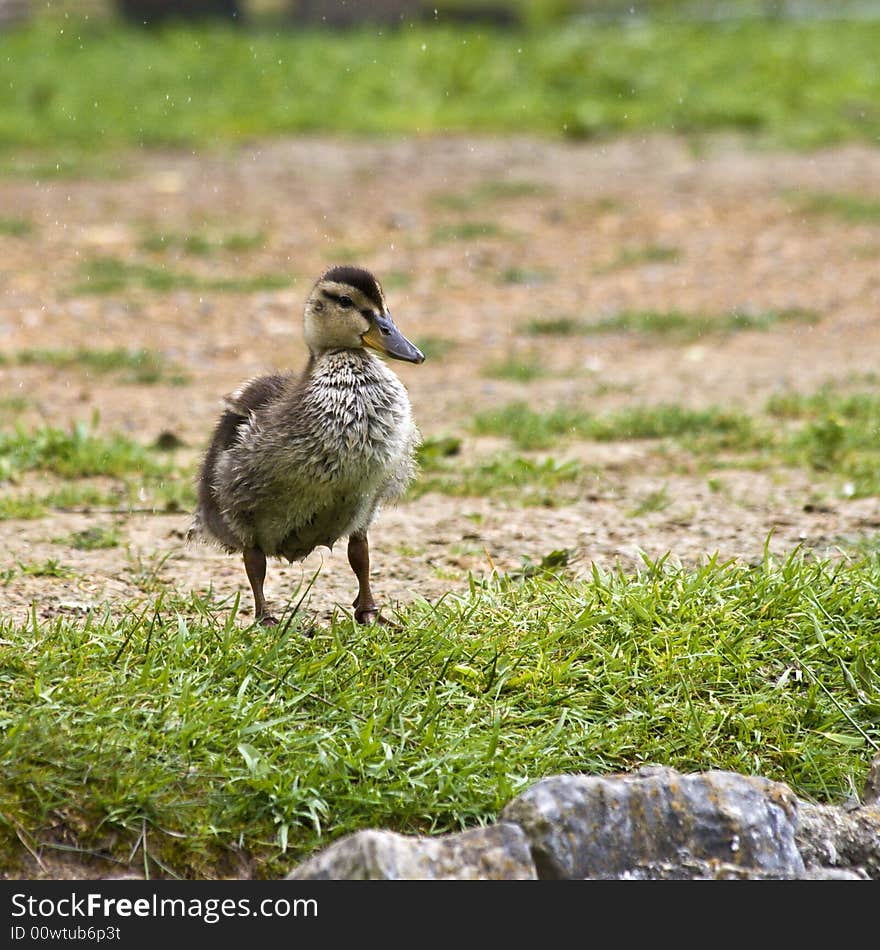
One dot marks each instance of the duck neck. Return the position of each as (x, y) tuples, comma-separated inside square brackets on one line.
[(317, 355)]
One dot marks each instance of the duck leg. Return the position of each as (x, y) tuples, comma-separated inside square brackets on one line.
[(255, 566), (365, 609)]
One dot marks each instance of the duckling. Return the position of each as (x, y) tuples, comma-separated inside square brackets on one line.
[(300, 461)]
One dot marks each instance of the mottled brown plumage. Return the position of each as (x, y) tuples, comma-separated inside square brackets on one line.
[(299, 461)]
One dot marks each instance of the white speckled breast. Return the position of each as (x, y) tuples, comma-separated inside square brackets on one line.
[(361, 416)]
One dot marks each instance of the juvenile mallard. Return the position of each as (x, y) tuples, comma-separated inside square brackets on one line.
[(298, 461)]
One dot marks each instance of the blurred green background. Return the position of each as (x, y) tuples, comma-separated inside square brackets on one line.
[(82, 78)]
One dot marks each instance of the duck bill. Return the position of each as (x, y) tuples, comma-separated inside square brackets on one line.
[(384, 336)]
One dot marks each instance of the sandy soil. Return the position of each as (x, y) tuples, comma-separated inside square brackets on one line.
[(743, 241)]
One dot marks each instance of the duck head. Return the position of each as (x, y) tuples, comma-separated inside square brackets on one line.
[(346, 309)]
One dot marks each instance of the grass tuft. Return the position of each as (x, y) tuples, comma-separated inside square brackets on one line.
[(527, 276), (652, 501), (75, 453), (706, 428), (142, 476), (15, 227), (516, 369), (555, 326), (854, 209), (108, 275), (48, 568), (132, 365), (673, 325), (830, 433), (201, 244), (548, 482), (435, 347), (94, 538), (530, 429), (489, 192), (684, 327), (466, 231), (837, 433), (634, 256)]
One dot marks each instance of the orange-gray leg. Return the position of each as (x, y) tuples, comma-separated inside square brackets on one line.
[(255, 566), (365, 609)]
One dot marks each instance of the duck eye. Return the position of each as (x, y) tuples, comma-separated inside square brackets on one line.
[(345, 302)]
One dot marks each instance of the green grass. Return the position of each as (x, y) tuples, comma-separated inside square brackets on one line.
[(516, 369), (434, 449), (172, 492), (762, 320), (78, 452), (466, 231), (674, 325), (831, 433), (63, 161), (93, 86), (15, 227), (853, 209), (142, 477), (435, 347), (131, 365), (110, 275), (166, 717), (504, 477), (12, 405), (395, 279), (836, 432), (859, 407), (26, 507), (532, 429), (81, 494), (530, 276), (489, 192), (554, 326), (700, 430), (49, 568), (645, 254), (93, 539), (652, 501), (203, 244)]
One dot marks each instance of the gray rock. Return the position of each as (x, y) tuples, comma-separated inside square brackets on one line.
[(835, 874), (659, 824), (654, 824), (496, 852), (871, 794), (840, 838)]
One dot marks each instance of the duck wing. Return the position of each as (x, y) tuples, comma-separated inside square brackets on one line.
[(238, 407)]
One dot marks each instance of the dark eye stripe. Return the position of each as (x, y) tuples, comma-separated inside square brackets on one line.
[(343, 299)]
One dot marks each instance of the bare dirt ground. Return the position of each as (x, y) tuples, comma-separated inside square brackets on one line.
[(732, 215)]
